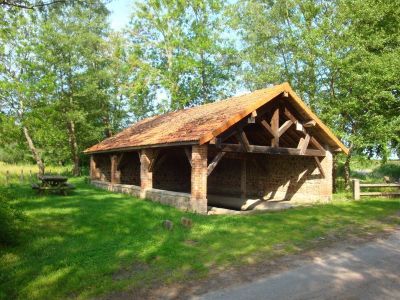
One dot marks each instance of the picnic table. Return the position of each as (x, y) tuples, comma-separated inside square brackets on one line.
[(53, 184)]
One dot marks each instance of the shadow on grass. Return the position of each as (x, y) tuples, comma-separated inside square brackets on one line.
[(93, 241)]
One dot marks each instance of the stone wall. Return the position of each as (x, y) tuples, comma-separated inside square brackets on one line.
[(102, 170), (172, 172), (129, 169), (133, 190), (179, 200), (274, 177), (271, 177)]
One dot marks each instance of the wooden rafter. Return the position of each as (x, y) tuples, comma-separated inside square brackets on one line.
[(305, 144), (310, 123), (285, 126), (242, 138), (271, 150), (153, 160), (267, 127), (188, 155), (214, 162), (321, 170)]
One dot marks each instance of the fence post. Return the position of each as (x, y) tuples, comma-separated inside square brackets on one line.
[(356, 189), (7, 177), (21, 178), (30, 176)]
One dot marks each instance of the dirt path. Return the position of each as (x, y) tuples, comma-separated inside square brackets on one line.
[(369, 271), (230, 278)]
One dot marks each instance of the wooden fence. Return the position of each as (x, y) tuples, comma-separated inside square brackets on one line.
[(357, 186)]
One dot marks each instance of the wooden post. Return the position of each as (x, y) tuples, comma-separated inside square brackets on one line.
[(30, 176), (243, 192), (356, 189), (275, 128), (21, 178), (7, 177)]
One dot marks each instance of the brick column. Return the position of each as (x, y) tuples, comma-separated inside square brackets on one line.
[(92, 168), (146, 177), (326, 183), (198, 198), (113, 176)]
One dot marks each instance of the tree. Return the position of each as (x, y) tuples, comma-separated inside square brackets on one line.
[(179, 55), (74, 49), (20, 83), (342, 57)]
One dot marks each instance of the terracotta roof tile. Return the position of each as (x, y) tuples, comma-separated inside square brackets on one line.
[(192, 125)]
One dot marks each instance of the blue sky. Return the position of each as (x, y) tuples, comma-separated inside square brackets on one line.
[(120, 12)]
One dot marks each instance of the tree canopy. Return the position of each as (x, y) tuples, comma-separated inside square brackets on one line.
[(67, 80)]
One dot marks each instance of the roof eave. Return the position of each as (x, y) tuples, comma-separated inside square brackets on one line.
[(133, 148)]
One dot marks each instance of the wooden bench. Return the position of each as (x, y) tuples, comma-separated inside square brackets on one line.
[(357, 189)]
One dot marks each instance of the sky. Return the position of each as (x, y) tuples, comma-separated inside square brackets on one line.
[(120, 13)]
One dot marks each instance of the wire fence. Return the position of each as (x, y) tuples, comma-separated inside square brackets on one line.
[(14, 174)]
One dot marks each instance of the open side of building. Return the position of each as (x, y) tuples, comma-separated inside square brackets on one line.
[(266, 146)]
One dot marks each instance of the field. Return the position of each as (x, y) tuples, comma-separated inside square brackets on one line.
[(92, 241), (25, 173)]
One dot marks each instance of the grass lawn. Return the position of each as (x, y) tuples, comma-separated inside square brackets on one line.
[(92, 241)]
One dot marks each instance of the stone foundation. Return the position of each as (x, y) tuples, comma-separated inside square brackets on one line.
[(179, 200), (132, 190)]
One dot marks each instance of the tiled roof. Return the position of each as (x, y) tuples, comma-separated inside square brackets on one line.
[(196, 125)]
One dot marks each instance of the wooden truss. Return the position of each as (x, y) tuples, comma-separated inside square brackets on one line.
[(277, 132)]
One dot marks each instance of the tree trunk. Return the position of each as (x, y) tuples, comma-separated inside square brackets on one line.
[(74, 148), (334, 173), (347, 170), (34, 151)]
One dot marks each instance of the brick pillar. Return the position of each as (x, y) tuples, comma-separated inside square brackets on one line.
[(113, 176), (146, 177), (198, 199), (92, 168), (326, 183)]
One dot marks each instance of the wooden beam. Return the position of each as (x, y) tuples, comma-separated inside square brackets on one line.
[(299, 127), (300, 144), (242, 138), (305, 144), (310, 123), (285, 126), (321, 170), (316, 144), (265, 125), (189, 155), (214, 162), (289, 115), (153, 160), (252, 118), (270, 150), (275, 128)]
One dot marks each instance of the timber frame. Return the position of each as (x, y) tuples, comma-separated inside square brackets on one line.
[(276, 131), (254, 145)]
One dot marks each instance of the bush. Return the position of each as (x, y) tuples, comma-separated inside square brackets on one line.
[(10, 220)]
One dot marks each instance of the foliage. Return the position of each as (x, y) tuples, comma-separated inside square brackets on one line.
[(93, 242), (343, 58), (10, 220), (180, 55)]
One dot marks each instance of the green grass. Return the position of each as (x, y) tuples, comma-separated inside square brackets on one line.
[(92, 241)]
